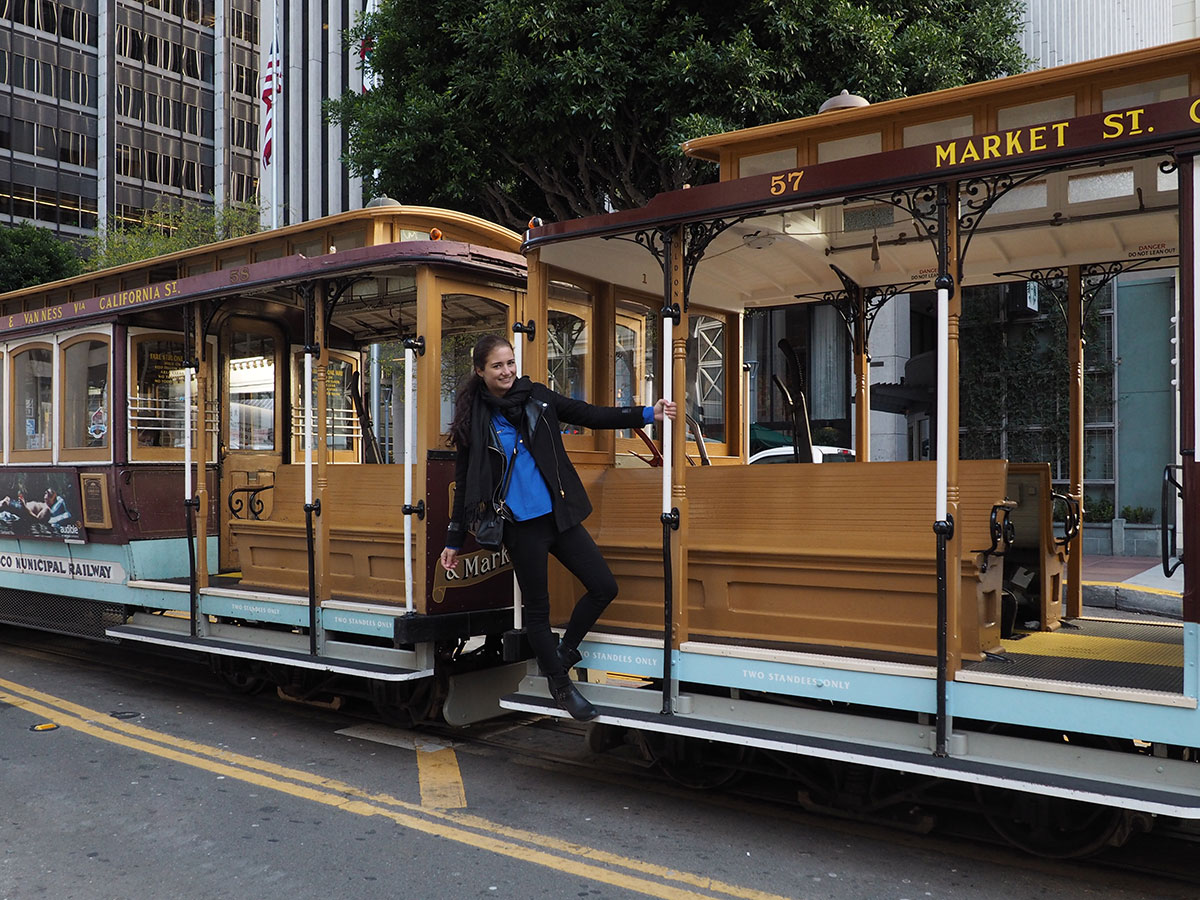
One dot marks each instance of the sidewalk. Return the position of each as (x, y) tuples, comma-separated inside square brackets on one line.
[(1133, 584)]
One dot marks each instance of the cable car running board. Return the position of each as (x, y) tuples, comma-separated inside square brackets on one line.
[(1125, 780), (277, 655)]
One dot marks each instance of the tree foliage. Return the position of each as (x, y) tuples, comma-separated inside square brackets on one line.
[(1015, 377), (30, 255), (510, 109), (169, 228)]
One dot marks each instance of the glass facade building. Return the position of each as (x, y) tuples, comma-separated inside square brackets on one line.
[(108, 108)]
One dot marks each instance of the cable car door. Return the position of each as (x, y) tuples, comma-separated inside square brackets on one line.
[(251, 448)]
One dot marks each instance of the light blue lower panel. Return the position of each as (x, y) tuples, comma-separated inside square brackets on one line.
[(165, 558), (1191, 659), (1006, 705), (358, 623), (296, 616), (1081, 715), (97, 571), (867, 688), (255, 610), (642, 661)]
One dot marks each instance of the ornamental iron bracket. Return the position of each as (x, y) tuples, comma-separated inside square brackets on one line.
[(847, 303), (1094, 277), (191, 357), (977, 196), (338, 288), (920, 204), (696, 238), (308, 294)]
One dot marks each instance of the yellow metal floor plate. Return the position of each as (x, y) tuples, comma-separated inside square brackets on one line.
[(1068, 645)]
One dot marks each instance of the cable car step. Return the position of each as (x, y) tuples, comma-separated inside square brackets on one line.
[(245, 650), (1125, 780)]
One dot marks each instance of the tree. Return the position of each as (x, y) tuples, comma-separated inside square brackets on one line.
[(169, 228), (30, 255), (509, 109)]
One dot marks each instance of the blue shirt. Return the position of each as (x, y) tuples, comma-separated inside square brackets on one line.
[(528, 493), (528, 496)]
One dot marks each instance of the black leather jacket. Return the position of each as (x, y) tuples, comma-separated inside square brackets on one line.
[(544, 413)]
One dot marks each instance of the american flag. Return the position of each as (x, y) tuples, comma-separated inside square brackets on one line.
[(272, 85), (364, 55), (370, 77)]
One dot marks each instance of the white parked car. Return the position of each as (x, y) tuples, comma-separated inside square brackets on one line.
[(787, 455)]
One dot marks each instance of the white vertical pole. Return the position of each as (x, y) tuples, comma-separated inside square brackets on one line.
[(410, 453), (308, 429), (54, 437), (943, 399), (377, 395), (518, 354), (187, 431), (280, 121), (1194, 337), (668, 393)]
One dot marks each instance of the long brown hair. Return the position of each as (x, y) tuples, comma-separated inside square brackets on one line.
[(472, 384)]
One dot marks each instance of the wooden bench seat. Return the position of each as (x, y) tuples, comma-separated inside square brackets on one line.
[(363, 512), (1034, 545), (841, 556)]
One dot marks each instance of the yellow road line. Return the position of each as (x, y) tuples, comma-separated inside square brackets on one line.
[(441, 782), (473, 831)]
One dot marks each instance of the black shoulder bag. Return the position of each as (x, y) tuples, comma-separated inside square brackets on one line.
[(489, 527)]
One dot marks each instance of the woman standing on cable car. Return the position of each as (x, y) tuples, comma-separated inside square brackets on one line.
[(518, 420)]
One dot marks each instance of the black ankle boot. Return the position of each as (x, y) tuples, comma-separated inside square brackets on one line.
[(567, 696), (568, 656)]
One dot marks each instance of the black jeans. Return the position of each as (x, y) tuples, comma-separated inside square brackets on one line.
[(530, 544)]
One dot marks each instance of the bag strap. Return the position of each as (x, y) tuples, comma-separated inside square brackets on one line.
[(508, 470)]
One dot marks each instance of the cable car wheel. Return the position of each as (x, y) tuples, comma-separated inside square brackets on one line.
[(404, 704), (1055, 827), (693, 762), (240, 676), (1052, 827)]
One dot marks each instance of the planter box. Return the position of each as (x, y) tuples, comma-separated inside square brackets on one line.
[(1120, 539)]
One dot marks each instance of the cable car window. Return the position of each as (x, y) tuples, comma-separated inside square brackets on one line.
[(341, 420), (465, 319), (33, 399), (567, 347), (633, 365), (706, 375), (342, 424), (156, 402), (85, 394), (252, 391)]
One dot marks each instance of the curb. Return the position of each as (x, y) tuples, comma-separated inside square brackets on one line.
[(1132, 598)]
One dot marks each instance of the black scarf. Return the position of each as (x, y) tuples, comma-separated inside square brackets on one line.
[(480, 484)]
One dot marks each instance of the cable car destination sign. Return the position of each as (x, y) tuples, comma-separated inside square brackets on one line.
[(266, 275), (1138, 131)]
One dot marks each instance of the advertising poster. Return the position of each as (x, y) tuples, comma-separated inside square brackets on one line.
[(41, 503)]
